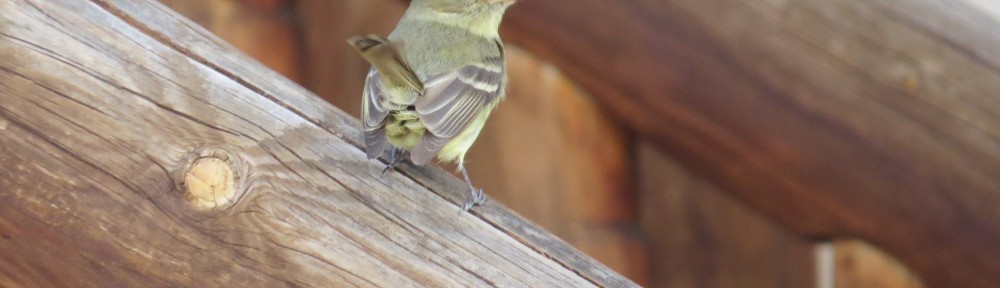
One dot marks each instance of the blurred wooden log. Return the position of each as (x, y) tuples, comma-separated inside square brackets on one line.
[(333, 69), (264, 29), (550, 153), (142, 151), (701, 237), (869, 119)]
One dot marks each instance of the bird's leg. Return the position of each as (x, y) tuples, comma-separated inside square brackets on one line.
[(476, 196), (395, 156)]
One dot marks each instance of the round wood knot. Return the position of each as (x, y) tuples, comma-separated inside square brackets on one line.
[(209, 184), (211, 179)]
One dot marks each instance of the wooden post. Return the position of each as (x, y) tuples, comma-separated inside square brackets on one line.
[(139, 150)]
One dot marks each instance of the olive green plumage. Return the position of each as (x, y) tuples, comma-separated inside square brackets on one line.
[(434, 81)]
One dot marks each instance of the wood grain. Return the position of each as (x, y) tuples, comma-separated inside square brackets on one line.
[(104, 103), (867, 119)]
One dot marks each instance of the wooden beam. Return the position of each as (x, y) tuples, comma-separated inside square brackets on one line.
[(869, 119), (139, 150)]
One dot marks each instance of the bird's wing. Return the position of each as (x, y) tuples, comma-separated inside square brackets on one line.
[(373, 115), (452, 100), (389, 71)]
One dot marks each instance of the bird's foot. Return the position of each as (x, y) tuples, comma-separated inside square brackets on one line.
[(476, 198), (389, 167), (395, 156)]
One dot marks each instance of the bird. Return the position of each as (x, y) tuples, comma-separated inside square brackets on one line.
[(433, 83)]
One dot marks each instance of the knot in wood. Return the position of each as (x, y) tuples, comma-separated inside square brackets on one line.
[(209, 184), (212, 178)]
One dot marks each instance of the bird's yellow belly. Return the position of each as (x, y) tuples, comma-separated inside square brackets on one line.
[(455, 150), (404, 129)]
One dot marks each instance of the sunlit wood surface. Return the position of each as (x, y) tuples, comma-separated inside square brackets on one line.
[(141, 151)]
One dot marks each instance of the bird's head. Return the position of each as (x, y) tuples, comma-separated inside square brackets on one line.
[(458, 6), (480, 16)]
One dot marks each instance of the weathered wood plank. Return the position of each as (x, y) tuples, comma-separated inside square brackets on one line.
[(868, 119), (104, 106), (201, 45)]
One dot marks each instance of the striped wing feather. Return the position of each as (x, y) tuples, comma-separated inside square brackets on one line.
[(451, 101)]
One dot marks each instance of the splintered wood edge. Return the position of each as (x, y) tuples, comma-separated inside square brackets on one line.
[(164, 25)]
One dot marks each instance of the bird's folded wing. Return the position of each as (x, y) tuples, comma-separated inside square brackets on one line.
[(373, 115), (452, 100)]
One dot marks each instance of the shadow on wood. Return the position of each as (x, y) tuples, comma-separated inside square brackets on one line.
[(142, 151)]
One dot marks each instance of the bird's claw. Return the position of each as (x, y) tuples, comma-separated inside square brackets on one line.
[(395, 156), (476, 198), (388, 167)]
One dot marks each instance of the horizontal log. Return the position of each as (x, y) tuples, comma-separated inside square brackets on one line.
[(139, 150), (871, 119)]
